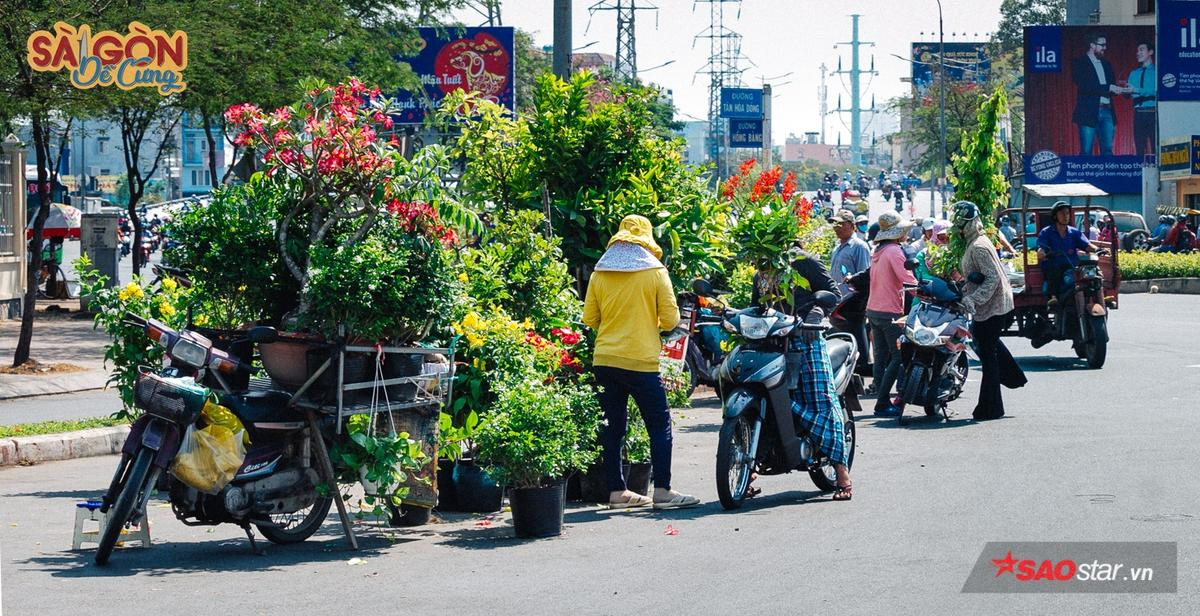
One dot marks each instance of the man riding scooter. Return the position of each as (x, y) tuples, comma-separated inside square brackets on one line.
[(815, 405), (1058, 251)]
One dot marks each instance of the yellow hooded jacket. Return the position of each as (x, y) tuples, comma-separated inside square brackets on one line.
[(629, 300)]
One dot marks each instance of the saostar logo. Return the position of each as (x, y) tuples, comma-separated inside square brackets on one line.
[(1047, 570)]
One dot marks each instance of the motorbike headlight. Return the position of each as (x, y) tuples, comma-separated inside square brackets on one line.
[(189, 352), (925, 337), (756, 328)]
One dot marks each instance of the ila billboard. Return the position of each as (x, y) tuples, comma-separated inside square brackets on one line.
[(1090, 105), (1178, 53), (472, 59)]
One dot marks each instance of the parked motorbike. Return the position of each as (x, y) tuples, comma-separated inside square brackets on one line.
[(933, 347), (275, 490), (701, 334), (759, 433), (850, 317)]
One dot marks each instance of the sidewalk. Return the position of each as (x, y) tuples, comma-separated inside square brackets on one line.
[(57, 338)]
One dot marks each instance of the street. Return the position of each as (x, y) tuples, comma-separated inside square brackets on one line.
[(1084, 455)]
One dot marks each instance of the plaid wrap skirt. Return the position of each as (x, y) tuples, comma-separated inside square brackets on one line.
[(815, 402)]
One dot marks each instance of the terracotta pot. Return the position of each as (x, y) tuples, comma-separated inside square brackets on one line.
[(286, 360)]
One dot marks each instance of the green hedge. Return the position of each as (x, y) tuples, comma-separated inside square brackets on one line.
[(1144, 265)]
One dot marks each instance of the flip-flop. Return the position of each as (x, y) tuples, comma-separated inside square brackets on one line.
[(844, 493), (632, 502), (679, 501)]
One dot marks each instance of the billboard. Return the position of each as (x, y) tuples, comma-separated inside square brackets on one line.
[(1090, 105), (1178, 53), (473, 59), (741, 103), (964, 62), (1179, 158), (745, 133)]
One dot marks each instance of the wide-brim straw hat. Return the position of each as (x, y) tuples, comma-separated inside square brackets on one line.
[(637, 230), (892, 226)]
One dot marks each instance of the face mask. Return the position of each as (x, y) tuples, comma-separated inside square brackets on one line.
[(862, 227)]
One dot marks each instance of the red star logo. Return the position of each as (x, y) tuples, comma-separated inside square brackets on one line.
[(1005, 565)]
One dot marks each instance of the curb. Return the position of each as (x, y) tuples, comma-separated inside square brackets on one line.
[(55, 392), (1185, 286), (28, 450)]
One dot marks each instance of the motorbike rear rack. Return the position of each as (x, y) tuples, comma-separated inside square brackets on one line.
[(441, 398)]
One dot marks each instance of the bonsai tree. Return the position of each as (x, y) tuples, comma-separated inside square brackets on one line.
[(537, 433)]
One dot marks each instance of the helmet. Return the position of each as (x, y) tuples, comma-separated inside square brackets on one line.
[(1059, 205), (965, 211), (1170, 220), (1162, 220)]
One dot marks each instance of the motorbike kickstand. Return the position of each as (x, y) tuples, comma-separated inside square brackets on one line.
[(253, 544)]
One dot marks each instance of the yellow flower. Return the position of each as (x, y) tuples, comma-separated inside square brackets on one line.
[(201, 321), (474, 341), (169, 285), (131, 290), (166, 309), (471, 321), (726, 346), (527, 324), (463, 277)]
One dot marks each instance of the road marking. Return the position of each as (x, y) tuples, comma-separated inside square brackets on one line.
[(1193, 366)]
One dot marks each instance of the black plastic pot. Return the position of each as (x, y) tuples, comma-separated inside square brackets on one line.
[(447, 496), (637, 477), (537, 512), (359, 368), (402, 364), (475, 489)]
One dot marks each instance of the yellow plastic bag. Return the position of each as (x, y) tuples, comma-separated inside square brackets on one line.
[(209, 458), (215, 414)]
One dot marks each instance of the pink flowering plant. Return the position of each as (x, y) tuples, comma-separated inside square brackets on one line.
[(336, 151)]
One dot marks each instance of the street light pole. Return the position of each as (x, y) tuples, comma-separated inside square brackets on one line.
[(942, 112)]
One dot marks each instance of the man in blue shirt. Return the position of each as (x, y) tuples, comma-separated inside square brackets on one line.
[(851, 255), (1058, 251), (1143, 82)]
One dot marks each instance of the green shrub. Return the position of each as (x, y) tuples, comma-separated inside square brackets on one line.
[(1146, 265)]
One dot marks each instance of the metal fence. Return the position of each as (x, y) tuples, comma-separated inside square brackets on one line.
[(9, 217)]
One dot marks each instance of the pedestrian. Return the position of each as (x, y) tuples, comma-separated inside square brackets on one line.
[(861, 227), (989, 301), (629, 301), (885, 305), (851, 255)]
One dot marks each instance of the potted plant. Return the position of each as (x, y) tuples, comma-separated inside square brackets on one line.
[(538, 433), (379, 459)]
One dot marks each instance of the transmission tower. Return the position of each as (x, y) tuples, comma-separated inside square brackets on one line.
[(724, 55), (625, 66), (488, 9), (823, 100), (856, 109)]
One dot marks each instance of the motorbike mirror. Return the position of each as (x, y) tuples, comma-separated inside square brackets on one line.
[(825, 299), (975, 278), (911, 264), (702, 287), (263, 334)]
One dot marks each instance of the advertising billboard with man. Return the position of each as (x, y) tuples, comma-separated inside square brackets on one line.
[(1090, 105)]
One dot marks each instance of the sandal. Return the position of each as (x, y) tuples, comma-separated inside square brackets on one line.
[(630, 500), (751, 489), (677, 501), (844, 492)]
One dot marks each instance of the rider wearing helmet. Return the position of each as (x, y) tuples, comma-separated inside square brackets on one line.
[(1164, 226), (1058, 250)]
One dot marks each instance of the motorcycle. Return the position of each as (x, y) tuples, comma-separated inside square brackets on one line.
[(933, 347), (700, 332), (276, 487), (759, 433), (887, 190), (850, 317), (1080, 314)]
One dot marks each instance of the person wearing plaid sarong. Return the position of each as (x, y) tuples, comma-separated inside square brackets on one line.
[(814, 402)]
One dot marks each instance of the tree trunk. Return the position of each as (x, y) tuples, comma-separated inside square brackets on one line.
[(212, 151), (136, 221), (41, 148)]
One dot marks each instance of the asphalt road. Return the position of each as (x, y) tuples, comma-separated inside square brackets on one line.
[(1085, 455)]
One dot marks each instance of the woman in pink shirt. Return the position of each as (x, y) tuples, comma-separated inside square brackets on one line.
[(885, 304)]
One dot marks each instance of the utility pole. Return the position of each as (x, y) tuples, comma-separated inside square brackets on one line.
[(625, 65), (724, 53), (489, 10), (823, 100), (941, 112), (766, 126), (856, 73), (562, 39)]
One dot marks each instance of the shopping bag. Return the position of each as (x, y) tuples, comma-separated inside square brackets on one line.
[(209, 458)]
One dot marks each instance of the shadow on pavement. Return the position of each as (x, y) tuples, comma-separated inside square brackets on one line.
[(705, 427), (1051, 363), (917, 422)]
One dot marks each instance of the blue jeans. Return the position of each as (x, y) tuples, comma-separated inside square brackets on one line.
[(1105, 131), (616, 385)]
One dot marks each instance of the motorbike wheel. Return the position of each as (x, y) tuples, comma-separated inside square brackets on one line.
[(298, 526), (1097, 350), (914, 385), (693, 379), (733, 464), (824, 476), (130, 493)]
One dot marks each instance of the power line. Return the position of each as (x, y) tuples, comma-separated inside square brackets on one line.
[(625, 65), (724, 55)]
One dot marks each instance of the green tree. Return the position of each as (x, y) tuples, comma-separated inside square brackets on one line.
[(1016, 14), (962, 105), (42, 98), (532, 62)]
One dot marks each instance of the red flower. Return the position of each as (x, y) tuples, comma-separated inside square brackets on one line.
[(789, 186), (746, 167), (765, 184), (568, 337)]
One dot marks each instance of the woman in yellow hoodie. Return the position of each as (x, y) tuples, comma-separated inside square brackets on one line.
[(629, 301)]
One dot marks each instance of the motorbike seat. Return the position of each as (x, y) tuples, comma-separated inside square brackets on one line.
[(262, 407), (839, 352)]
